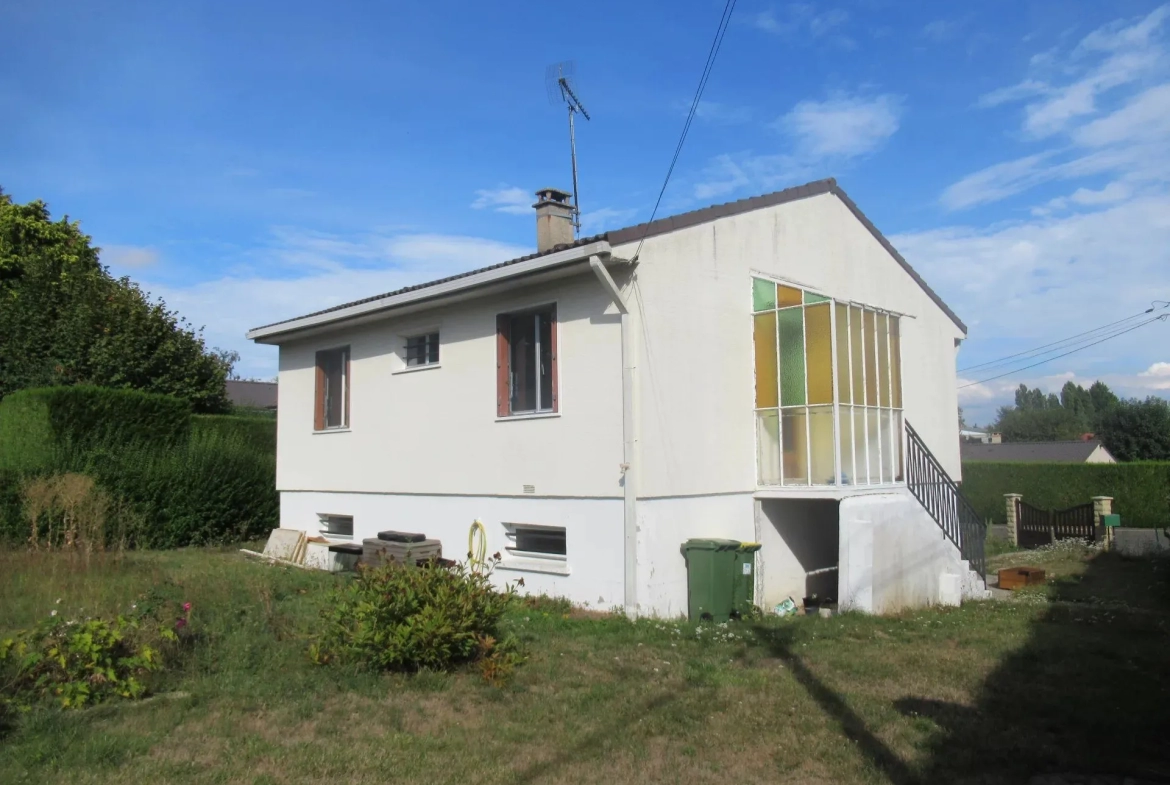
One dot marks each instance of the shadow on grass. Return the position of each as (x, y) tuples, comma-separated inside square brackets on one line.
[(1088, 693)]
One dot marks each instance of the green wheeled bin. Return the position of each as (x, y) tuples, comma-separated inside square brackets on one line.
[(743, 591), (711, 568)]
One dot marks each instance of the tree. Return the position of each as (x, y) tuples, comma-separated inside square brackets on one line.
[(65, 320), (1038, 425), (1137, 430)]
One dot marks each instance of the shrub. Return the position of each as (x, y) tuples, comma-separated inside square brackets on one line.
[(257, 431), (12, 525), (407, 618), (38, 427), (1140, 491)]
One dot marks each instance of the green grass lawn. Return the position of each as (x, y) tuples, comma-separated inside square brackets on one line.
[(1073, 677)]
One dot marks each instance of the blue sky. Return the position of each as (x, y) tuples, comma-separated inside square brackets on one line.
[(250, 162)]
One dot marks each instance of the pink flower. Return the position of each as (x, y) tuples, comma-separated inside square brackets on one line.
[(180, 623), (187, 607)]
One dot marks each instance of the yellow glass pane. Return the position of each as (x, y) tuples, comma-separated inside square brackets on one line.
[(873, 446), (764, 331), (822, 467), (818, 336), (896, 361), (845, 445), (860, 456), (768, 447), (763, 295), (786, 295), (883, 358), (794, 439), (871, 369), (857, 355), (844, 389)]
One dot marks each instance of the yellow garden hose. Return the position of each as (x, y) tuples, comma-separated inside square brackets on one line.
[(477, 547)]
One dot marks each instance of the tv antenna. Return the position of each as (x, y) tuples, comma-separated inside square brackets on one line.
[(560, 83)]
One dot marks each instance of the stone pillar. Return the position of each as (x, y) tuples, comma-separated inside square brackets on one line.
[(1013, 507), (1102, 506)]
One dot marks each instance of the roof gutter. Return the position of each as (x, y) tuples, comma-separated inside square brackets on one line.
[(568, 256)]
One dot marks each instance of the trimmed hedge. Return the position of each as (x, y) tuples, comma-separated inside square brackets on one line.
[(1140, 490), (256, 431), (38, 424)]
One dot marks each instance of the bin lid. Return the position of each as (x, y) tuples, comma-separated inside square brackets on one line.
[(1111, 520), (710, 544), (750, 547)]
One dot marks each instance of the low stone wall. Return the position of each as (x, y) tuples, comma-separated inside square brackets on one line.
[(1140, 542), (999, 531)]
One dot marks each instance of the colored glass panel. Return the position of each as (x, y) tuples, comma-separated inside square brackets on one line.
[(871, 369), (873, 444), (860, 456), (764, 330), (845, 445), (896, 362), (844, 388), (791, 357), (763, 295), (857, 355), (810, 298), (768, 446), (794, 440), (786, 296), (818, 341), (883, 359), (822, 468)]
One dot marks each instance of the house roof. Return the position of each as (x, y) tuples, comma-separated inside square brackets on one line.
[(1039, 452), (255, 395), (672, 223)]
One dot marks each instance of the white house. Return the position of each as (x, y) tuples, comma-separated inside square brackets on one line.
[(744, 371)]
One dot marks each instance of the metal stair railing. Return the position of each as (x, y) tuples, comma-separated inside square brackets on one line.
[(940, 495)]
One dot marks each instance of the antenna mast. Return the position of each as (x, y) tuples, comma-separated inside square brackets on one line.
[(560, 87)]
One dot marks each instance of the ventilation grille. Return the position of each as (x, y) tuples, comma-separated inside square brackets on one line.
[(530, 489)]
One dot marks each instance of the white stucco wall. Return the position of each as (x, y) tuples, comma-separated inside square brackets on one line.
[(693, 296), (435, 431), (892, 554), (593, 532)]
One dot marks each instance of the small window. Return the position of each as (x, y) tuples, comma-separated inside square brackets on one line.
[(533, 540), (526, 361), (332, 399), (422, 350), (337, 525)]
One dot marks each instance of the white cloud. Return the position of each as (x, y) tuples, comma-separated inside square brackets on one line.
[(605, 218), (1114, 192), (1157, 370), (504, 199), (843, 126), (802, 22), (302, 271), (129, 256)]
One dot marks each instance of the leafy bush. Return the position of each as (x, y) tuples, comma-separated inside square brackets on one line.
[(39, 426), (78, 663), (12, 524), (1140, 491), (407, 618), (258, 431)]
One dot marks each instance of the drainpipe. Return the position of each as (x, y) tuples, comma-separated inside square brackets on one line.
[(629, 439)]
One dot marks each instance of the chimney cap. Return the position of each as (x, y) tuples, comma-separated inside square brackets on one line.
[(554, 195)]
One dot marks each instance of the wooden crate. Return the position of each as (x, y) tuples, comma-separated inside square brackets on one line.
[(1019, 577)]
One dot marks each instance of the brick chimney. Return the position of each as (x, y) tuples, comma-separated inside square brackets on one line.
[(554, 219)]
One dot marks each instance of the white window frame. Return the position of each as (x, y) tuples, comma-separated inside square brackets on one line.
[(534, 561), (425, 335), (325, 518)]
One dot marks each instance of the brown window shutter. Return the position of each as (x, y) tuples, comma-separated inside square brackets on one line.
[(503, 388), (319, 397), (556, 401), (348, 385)]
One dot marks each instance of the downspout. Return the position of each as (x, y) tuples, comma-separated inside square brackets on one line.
[(629, 440)]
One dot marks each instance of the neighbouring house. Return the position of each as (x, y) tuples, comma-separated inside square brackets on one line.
[(251, 395), (1078, 451), (768, 370)]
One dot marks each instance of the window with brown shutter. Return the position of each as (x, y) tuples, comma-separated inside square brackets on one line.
[(526, 362), (331, 404)]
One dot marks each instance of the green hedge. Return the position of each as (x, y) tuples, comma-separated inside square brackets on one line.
[(36, 424), (1140, 490), (259, 432)]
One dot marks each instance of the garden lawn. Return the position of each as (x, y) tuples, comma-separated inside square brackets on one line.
[(1073, 677)]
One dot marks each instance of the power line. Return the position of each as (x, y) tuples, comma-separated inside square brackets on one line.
[(1160, 318), (1037, 350), (724, 21)]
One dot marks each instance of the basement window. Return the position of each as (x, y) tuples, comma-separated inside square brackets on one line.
[(339, 526), (535, 548)]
